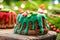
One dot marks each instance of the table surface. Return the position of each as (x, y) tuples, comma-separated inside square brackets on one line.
[(9, 33)]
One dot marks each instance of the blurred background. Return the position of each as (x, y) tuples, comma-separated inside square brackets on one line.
[(51, 7), (30, 4)]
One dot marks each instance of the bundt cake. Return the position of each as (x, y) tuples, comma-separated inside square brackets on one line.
[(31, 23), (7, 18)]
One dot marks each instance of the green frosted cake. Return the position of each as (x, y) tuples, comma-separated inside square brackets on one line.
[(31, 23)]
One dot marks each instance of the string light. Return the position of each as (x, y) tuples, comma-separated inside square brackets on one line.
[(56, 2), (22, 5), (49, 7), (45, 11), (15, 8)]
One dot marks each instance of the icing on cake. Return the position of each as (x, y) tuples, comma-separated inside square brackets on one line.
[(7, 18), (27, 18)]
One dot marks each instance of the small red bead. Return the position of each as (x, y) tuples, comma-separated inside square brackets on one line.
[(24, 14), (57, 30), (51, 26), (54, 29)]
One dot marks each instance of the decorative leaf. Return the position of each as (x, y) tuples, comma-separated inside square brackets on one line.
[(29, 15)]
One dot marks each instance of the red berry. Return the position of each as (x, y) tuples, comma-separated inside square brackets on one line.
[(24, 14), (54, 29), (57, 30)]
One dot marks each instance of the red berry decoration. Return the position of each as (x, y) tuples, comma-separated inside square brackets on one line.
[(54, 29), (24, 14), (57, 30)]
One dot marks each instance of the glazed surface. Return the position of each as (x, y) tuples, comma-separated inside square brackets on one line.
[(30, 18), (7, 18)]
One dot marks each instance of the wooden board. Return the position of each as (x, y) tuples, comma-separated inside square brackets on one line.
[(7, 34)]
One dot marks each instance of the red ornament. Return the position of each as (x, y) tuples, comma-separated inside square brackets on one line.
[(54, 29), (24, 14), (57, 30)]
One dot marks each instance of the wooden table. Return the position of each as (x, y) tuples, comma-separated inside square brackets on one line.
[(7, 34)]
